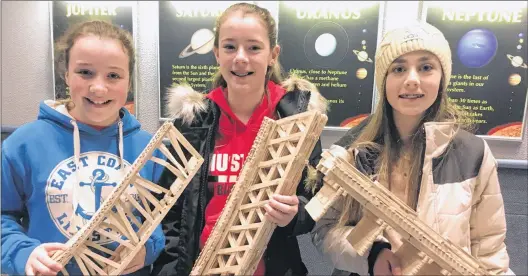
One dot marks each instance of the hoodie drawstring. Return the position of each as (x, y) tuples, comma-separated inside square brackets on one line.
[(76, 147), (121, 153), (76, 221)]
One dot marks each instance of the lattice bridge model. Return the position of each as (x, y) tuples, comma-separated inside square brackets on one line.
[(132, 221), (274, 166), (423, 251)]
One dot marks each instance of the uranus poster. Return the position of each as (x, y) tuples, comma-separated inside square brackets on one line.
[(333, 45), (489, 49)]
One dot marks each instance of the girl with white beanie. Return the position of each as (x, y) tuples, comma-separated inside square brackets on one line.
[(417, 145)]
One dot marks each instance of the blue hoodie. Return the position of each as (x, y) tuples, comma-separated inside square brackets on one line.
[(42, 201)]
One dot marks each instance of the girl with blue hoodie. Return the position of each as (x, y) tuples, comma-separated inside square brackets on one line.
[(57, 170)]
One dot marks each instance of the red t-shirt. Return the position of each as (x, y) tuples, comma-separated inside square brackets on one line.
[(231, 149)]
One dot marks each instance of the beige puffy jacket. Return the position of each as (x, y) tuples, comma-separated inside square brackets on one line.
[(460, 198)]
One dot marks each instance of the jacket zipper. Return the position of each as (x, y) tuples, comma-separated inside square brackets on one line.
[(204, 175), (421, 168)]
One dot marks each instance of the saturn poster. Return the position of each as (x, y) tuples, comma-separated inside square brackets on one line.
[(67, 13), (489, 46), (333, 45), (186, 37)]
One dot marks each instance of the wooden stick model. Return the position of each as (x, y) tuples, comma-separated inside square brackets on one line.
[(274, 166), (116, 212), (423, 251)]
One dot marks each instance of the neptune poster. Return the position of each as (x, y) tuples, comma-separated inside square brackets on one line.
[(489, 48), (333, 45), (67, 13), (186, 37)]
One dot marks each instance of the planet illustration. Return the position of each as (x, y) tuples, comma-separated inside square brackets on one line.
[(517, 61), (353, 121), (513, 129), (361, 73), (201, 43), (514, 79), (325, 44), (477, 48), (362, 56)]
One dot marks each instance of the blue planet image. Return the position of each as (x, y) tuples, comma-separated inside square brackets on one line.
[(477, 48)]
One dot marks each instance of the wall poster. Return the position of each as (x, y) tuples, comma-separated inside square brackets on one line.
[(333, 45), (68, 13), (489, 49), (186, 37)]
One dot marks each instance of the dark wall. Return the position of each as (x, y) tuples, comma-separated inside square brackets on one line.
[(514, 183)]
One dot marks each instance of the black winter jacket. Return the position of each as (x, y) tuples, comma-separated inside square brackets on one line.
[(197, 119)]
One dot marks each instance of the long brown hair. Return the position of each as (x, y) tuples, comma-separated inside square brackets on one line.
[(380, 135), (274, 72)]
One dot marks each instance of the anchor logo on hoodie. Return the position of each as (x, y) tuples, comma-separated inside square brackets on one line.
[(73, 195)]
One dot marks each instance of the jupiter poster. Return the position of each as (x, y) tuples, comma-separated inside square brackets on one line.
[(68, 13)]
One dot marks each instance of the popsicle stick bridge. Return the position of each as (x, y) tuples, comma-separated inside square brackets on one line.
[(132, 221), (274, 166)]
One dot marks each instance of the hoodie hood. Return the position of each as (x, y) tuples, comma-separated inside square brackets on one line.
[(57, 172), (229, 122), (57, 113), (184, 102)]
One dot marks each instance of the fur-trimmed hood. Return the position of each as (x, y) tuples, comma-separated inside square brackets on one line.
[(184, 102)]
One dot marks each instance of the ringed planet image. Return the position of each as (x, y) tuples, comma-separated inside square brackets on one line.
[(201, 43), (514, 79), (362, 56), (517, 61)]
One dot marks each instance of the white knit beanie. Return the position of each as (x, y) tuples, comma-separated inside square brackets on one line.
[(413, 37)]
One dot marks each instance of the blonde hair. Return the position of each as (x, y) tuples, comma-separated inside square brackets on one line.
[(99, 28), (274, 72)]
